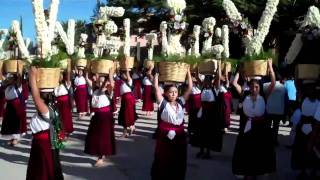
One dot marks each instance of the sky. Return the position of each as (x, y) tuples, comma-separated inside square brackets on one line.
[(68, 9)]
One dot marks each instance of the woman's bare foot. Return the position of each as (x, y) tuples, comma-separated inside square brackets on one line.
[(132, 129), (100, 163)]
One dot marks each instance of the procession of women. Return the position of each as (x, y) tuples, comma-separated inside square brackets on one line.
[(184, 78)]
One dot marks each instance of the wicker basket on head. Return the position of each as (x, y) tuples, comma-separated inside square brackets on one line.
[(48, 78), (208, 66), (308, 71), (127, 63), (256, 67), (81, 63), (225, 67), (173, 71), (101, 66), (148, 64), (11, 66)]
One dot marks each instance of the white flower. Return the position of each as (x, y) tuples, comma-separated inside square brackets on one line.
[(218, 32), (217, 50), (126, 48), (225, 41), (255, 45), (110, 27), (68, 41), (231, 10), (178, 18), (177, 5), (196, 33), (312, 18), (22, 47), (176, 25), (208, 24)]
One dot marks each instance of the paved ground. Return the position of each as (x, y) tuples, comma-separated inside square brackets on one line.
[(134, 156)]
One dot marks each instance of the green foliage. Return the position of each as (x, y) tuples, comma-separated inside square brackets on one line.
[(47, 63), (190, 59), (263, 55)]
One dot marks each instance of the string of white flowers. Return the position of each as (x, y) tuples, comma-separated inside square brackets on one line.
[(164, 42), (151, 38), (255, 45), (65, 38), (4, 33), (218, 32), (225, 41), (217, 50), (22, 47), (208, 27), (114, 11), (177, 5), (312, 18), (196, 34), (231, 10), (83, 40), (126, 47), (52, 18), (70, 35)]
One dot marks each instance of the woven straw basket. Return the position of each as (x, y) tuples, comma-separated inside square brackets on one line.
[(101, 66), (225, 67), (173, 71), (148, 64), (81, 63), (11, 66), (256, 67), (127, 63), (308, 71), (208, 66), (48, 78)]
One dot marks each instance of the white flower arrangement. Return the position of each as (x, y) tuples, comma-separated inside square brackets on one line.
[(218, 32), (255, 45), (225, 41), (68, 39), (217, 50), (196, 34), (208, 27), (126, 47), (44, 31), (163, 31), (312, 18), (112, 12), (3, 35), (21, 44), (110, 28), (231, 10), (177, 5), (82, 43), (151, 38)]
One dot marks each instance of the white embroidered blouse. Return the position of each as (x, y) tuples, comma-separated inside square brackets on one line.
[(11, 92), (99, 100)]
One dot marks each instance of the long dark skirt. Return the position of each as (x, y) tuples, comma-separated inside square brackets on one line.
[(301, 158), (81, 98), (193, 125), (137, 84), (100, 138), (14, 119), (254, 152), (147, 99), (127, 114), (211, 127), (170, 158), (44, 162), (2, 101), (65, 113), (116, 90), (227, 97)]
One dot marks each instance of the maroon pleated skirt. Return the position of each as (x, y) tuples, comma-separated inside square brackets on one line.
[(137, 88), (170, 158), (14, 119), (147, 99), (193, 125), (127, 114), (227, 97), (81, 98), (117, 88), (44, 163), (64, 108), (100, 139)]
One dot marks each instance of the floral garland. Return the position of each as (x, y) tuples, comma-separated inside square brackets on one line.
[(255, 45), (208, 28), (196, 46), (126, 47), (68, 39), (3, 35), (151, 38), (52, 18), (82, 45), (312, 19), (164, 42), (20, 42), (231, 10), (225, 41)]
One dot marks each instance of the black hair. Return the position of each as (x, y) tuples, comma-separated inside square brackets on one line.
[(48, 97)]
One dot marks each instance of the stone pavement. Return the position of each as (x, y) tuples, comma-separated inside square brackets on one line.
[(134, 155)]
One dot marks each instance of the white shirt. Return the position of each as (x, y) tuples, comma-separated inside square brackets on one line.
[(99, 100), (254, 109), (37, 124), (195, 90), (309, 108), (173, 115), (79, 80), (207, 95), (11, 93), (124, 88), (146, 81), (135, 76), (61, 90), (276, 100)]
